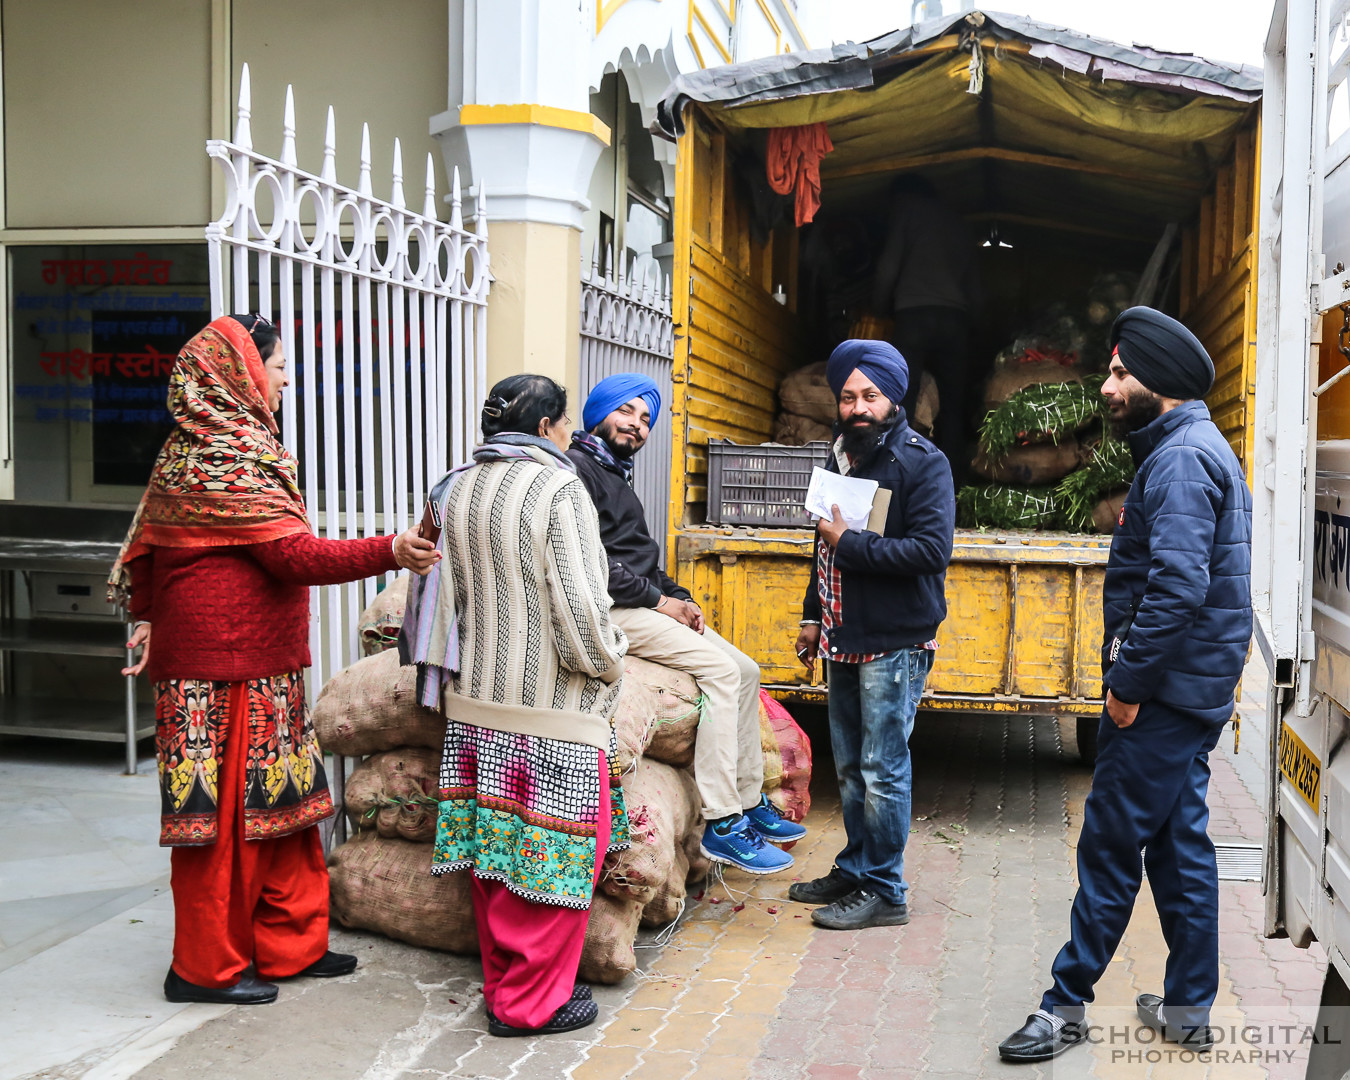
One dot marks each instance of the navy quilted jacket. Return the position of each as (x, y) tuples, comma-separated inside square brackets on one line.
[(1181, 558)]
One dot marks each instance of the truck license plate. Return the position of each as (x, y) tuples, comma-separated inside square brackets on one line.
[(1300, 766)]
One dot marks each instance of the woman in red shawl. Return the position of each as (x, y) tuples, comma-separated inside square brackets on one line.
[(219, 561)]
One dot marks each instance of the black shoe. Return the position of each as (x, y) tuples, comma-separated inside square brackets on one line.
[(576, 1013), (249, 990), (329, 966), (858, 910), (581, 992), (1037, 1039), (822, 890), (1199, 1038)]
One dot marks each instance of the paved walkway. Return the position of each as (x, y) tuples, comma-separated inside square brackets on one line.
[(746, 988)]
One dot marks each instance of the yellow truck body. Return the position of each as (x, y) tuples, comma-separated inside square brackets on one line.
[(1024, 626)]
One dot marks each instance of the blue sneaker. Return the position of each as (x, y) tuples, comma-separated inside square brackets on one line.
[(737, 843), (769, 822)]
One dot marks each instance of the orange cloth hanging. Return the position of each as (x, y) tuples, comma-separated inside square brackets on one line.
[(794, 155)]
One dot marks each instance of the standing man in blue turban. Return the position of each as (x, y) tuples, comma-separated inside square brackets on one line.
[(872, 611), (664, 625), (1178, 618)]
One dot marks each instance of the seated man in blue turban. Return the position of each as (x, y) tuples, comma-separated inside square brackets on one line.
[(872, 611), (665, 626)]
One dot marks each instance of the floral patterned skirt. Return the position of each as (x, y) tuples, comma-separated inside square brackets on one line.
[(523, 810), (285, 787)]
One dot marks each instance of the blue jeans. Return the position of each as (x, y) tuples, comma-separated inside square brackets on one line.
[(872, 710)]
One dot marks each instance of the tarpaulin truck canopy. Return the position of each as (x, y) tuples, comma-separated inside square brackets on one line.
[(1075, 145)]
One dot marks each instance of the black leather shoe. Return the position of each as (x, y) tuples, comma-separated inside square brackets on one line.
[(576, 1013), (858, 910), (249, 990), (1198, 1038), (822, 890), (329, 966), (1037, 1040)]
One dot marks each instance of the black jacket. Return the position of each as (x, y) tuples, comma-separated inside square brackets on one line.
[(893, 586), (635, 575)]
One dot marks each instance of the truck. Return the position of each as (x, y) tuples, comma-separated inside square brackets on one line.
[(1068, 155), (1301, 495)]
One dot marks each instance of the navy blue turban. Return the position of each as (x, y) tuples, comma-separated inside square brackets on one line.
[(617, 390), (1162, 354), (880, 361)]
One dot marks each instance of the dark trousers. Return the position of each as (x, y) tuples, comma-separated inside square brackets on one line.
[(937, 340), (1148, 792)]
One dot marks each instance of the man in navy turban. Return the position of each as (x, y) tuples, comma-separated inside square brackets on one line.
[(1177, 611), (872, 611), (664, 625)]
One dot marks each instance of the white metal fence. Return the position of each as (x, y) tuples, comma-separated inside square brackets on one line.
[(626, 326), (383, 317)]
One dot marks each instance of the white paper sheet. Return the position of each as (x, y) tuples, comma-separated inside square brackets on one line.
[(851, 494)]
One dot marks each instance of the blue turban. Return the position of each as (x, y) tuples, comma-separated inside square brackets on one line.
[(616, 390), (880, 361)]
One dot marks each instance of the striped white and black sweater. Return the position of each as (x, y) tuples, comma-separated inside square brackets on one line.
[(538, 653)]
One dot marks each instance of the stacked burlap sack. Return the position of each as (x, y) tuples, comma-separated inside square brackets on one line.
[(381, 878), (809, 409), (1045, 456)]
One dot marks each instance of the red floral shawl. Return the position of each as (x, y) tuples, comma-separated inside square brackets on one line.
[(223, 477)]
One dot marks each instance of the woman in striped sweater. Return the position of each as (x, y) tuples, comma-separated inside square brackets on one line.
[(513, 641)]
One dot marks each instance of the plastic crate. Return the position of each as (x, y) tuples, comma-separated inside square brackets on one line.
[(761, 485)]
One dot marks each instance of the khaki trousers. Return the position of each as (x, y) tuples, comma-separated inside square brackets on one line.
[(728, 761)]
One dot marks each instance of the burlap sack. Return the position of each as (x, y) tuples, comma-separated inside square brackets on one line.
[(381, 622), (806, 393), (793, 430), (369, 707), (677, 711), (661, 810), (787, 759), (607, 955), (634, 718), (1010, 378), (394, 794), (1033, 466), (387, 886), (926, 405), (668, 902), (1106, 514)]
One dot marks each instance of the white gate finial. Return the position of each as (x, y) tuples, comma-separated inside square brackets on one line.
[(288, 129), (480, 214), (329, 170), (595, 259), (243, 131), (363, 180), (429, 205), (397, 195), (456, 202)]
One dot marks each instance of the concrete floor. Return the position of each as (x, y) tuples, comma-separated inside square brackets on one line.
[(746, 987)]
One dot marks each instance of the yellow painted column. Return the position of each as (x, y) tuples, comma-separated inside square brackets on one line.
[(534, 314)]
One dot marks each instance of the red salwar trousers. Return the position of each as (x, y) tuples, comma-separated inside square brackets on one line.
[(531, 951), (238, 902)]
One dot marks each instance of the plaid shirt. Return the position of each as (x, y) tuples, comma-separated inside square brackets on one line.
[(831, 594)]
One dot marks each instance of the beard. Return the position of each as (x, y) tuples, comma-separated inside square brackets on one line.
[(1140, 410), (622, 451), (861, 438)]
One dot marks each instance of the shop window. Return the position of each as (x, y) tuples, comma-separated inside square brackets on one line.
[(94, 332)]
